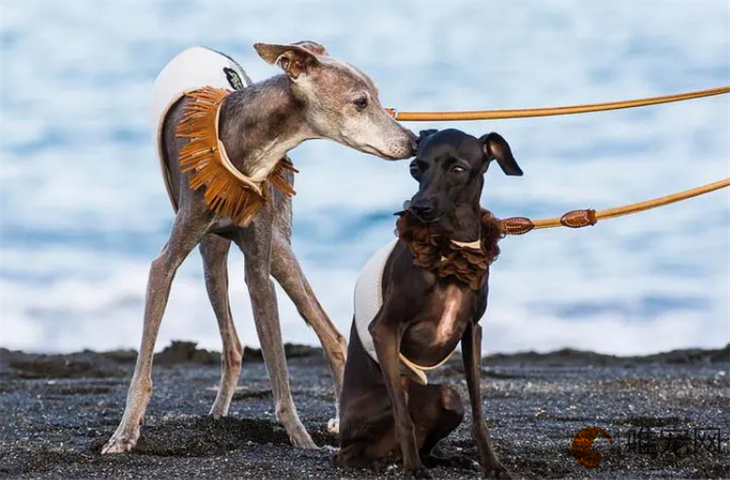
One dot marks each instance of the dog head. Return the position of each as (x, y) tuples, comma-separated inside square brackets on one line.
[(341, 102), (450, 166)]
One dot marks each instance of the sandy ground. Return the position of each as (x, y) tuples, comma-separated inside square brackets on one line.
[(58, 410)]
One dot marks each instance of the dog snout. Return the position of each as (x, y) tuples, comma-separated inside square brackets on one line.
[(405, 146), (423, 209)]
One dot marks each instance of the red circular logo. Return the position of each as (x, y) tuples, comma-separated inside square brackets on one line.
[(582, 446)]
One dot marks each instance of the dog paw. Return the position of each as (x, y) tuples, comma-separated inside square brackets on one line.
[(420, 473), (332, 450), (333, 427), (287, 415), (217, 412), (120, 444), (433, 461), (301, 439), (416, 470), (496, 470)]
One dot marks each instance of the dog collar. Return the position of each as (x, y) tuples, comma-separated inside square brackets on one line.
[(476, 244), (228, 192), (434, 251)]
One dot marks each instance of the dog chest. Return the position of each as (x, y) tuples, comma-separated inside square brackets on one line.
[(437, 329), (434, 336)]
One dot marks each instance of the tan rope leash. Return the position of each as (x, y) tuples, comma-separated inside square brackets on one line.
[(583, 218), (550, 111)]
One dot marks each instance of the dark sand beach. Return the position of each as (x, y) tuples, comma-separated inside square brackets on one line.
[(58, 410)]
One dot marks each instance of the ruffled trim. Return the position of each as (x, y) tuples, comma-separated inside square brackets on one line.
[(228, 193), (433, 250)]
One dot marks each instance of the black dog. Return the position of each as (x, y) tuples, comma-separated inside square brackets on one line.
[(415, 300)]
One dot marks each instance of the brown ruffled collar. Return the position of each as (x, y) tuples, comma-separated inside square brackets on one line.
[(434, 250), (228, 192)]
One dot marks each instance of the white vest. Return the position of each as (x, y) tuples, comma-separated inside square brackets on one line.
[(190, 70), (369, 300), (369, 296)]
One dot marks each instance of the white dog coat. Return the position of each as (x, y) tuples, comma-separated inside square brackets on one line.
[(369, 296), (369, 300), (190, 70)]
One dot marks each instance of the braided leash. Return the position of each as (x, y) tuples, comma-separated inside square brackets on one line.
[(550, 111), (583, 218)]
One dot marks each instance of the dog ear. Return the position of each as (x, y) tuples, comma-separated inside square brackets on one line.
[(314, 47), (294, 59), (424, 134), (496, 148)]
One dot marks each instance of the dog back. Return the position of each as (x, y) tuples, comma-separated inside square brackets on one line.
[(190, 70)]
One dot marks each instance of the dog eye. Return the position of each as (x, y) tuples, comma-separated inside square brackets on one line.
[(361, 103), (458, 169)]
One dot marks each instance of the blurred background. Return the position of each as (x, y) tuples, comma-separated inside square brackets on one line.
[(84, 207)]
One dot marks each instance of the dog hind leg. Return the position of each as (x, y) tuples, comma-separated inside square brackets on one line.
[(214, 251), (368, 432), (255, 242), (370, 437), (445, 413), (287, 271)]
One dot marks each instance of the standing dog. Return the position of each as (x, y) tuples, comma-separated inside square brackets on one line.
[(316, 97), (415, 300)]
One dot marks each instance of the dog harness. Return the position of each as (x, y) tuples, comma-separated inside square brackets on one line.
[(369, 300), (467, 261), (207, 77)]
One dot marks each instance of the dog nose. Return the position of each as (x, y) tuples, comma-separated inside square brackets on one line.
[(422, 208)]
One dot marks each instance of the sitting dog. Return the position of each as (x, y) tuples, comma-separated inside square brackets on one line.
[(415, 300)]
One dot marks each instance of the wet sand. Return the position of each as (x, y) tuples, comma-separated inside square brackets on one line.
[(58, 410)]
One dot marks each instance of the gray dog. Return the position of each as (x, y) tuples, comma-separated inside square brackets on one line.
[(316, 97)]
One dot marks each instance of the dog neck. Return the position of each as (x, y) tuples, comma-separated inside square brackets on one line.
[(260, 124), (463, 225), (434, 249)]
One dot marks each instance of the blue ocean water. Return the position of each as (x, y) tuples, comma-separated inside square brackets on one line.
[(84, 210)]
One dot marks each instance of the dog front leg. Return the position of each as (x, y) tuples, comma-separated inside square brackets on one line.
[(255, 241), (387, 337), (471, 348), (187, 230)]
